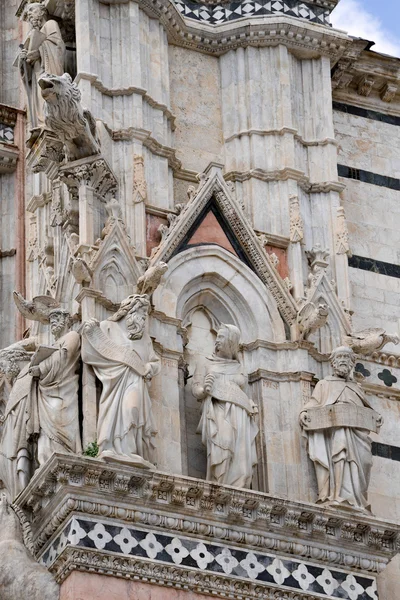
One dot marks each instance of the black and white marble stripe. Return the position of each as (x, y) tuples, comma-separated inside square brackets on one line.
[(209, 557), (215, 14)]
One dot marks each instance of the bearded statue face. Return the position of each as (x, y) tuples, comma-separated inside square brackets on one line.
[(36, 16), (136, 321), (342, 363)]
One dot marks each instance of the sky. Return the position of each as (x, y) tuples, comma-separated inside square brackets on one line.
[(375, 20)]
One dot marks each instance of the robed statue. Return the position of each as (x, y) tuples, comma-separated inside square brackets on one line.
[(228, 427), (41, 415), (42, 52), (121, 353), (336, 421)]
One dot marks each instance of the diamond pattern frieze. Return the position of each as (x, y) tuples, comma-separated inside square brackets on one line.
[(110, 537), (215, 14)]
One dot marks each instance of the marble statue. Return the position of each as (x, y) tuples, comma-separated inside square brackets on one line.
[(41, 415), (370, 340), (227, 424), (21, 577), (42, 52), (336, 421), (65, 116), (121, 353)]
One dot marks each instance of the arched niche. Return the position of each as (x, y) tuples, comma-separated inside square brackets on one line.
[(204, 287), (211, 276)]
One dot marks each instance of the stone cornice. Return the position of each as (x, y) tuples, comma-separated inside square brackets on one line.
[(128, 91), (68, 485), (367, 79), (297, 34), (285, 174)]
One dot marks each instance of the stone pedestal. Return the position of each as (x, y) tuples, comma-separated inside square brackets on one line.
[(94, 524)]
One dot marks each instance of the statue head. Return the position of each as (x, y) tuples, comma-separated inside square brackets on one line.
[(60, 322), (342, 360), (227, 342), (36, 14), (135, 309)]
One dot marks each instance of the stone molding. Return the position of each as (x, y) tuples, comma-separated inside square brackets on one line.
[(46, 154), (285, 174), (128, 91), (70, 485), (296, 34), (9, 155)]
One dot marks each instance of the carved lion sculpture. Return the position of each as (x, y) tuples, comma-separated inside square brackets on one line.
[(64, 115), (21, 577)]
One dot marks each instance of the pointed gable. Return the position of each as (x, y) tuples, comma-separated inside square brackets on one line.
[(228, 225)]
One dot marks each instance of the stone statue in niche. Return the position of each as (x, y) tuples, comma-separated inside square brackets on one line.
[(336, 421), (65, 116), (41, 415), (20, 575), (42, 52), (121, 353), (227, 424)]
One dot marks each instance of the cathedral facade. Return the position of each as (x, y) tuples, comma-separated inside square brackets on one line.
[(199, 292)]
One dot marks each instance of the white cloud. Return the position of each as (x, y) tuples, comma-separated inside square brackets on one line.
[(350, 16)]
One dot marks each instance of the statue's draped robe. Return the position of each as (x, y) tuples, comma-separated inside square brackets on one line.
[(125, 424), (57, 398), (52, 59), (328, 447), (15, 449), (228, 431), (45, 410)]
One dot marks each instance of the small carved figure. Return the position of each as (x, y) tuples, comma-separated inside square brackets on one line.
[(41, 415), (227, 423), (42, 52), (121, 353), (21, 577), (64, 115), (336, 421), (147, 283), (310, 318), (370, 340)]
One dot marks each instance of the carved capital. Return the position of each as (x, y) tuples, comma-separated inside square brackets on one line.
[(46, 154), (93, 172)]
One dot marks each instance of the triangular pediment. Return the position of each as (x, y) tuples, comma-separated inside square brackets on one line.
[(214, 201), (338, 323), (115, 262)]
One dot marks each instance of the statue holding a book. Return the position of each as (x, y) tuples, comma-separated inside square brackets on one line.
[(336, 422), (41, 415)]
